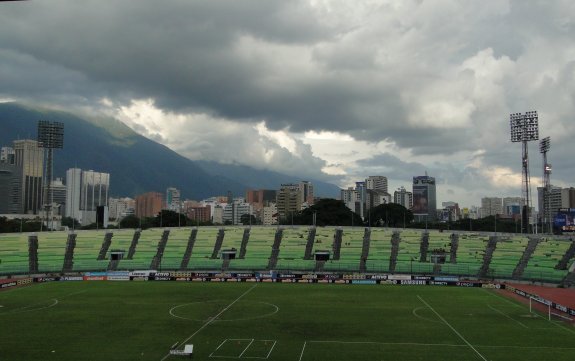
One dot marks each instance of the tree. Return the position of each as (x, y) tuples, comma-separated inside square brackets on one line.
[(70, 222), (248, 219), (328, 212), (130, 221), (167, 218), (390, 215)]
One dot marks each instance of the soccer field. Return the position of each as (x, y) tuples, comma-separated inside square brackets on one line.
[(258, 321)]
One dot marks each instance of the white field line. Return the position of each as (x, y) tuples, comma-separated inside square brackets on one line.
[(302, 350), (248, 346), (452, 328), (221, 344), (441, 344), (535, 313), (213, 318), (271, 349), (506, 315)]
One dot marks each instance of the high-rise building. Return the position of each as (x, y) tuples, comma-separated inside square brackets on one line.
[(512, 206), (491, 206), (270, 215), (403, 197), (424, 201), (149, 204), (121, 207), (58, 196), (558, 198), (173, 199), (86, 191), (233, 212), (376, 182), (261, 197), (7, 155), (10, 185), (29, 157), (199, 213), (306, 191), (288, 200), (450, 211)]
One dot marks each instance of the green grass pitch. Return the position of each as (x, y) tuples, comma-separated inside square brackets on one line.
[(292, 322)]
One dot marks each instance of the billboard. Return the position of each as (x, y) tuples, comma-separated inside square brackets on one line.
[(564, 220), (420, 200)]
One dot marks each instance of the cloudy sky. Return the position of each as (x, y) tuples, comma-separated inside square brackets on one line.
[(327, 89)]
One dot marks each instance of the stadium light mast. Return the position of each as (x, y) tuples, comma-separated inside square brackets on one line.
[(544, 146), (50, 137), (525, 128)]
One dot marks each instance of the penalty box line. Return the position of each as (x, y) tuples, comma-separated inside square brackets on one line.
[(452, 328), (244, 351), (213, 319)]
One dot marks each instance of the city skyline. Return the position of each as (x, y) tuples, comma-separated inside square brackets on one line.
[(325, 90)]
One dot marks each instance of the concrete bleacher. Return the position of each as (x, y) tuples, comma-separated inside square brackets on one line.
[(258, 249), (349, 252), (175, 248), (88, 244), (51, 251), (510, 251), (379, 250), (203, 250), (542, 264), (14, 253), (292, 250), (506, 256)]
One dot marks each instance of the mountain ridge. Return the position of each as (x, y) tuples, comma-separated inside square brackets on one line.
[(137, 164)]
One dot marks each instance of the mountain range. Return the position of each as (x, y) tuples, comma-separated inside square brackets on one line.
[(137, 164)]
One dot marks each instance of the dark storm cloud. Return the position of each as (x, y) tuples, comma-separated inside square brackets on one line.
[(437, 78)]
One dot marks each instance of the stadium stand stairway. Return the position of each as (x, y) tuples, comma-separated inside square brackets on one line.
[(319, 265), (564, 262), (365, 250), (527, 253), (395, 239), (337, 239), (134, 244), (245, 240), (113, 264), (219, 242), (105, 246), (33, 253), (453, 248), (310, 242), (569, 280), (69, 255), (487, 256), (275, 249), (189, 249), (424, 247), (157, 260)]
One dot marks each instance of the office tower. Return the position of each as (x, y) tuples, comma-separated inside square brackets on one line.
[(7, 155), (260, 198), (29, 157), (149, 204), (491, 206), (85, 192), (403, 197), (376, 182), (234, 211), (173, 199), (424, 201), (306, 190), (288, 200), (10, 185)]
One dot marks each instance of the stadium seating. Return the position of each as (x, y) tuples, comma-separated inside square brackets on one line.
[(545, 259)]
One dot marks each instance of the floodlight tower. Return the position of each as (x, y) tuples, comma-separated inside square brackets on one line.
[(50, 137), (544, 146), (525, 128)]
